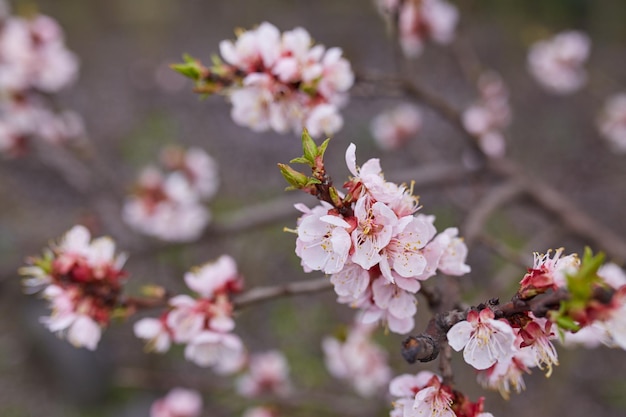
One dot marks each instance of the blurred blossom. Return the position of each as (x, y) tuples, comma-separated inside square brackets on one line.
[(420, 21), (487, 117), (179, 402), (170, 206), (394, 127), (358, 360), (612, 122), (260, 412), (34, 61), (268, 373), (557, 63)]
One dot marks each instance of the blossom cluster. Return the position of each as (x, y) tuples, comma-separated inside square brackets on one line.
[(557, 63), (504, 349), (281, 82), (419, 21), (357, 360), (82, 279), (394, 127), (425, 394), (612, 122), (489, 115), (204, 322), (375, 248), (170, 206), (34, 61)]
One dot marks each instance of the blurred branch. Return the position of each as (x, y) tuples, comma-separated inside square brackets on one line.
[(546, 197), (262, 294), (481, 212)]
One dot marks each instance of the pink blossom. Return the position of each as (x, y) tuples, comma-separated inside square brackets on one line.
[(373, 232), (351, 281), (267, 373), (427, 19), (323, 242), (210, 349), (404, 254), (557, 63), (484, 339), (452, 260), (393, 128), (213, 277), (612, 122), (549, 272), (179, 402), (285, 82), (358, 360)]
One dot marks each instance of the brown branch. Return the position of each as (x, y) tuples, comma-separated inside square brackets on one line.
[(546, 197), (262, 294)]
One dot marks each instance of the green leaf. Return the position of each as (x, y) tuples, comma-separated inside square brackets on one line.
[(322, 148), (295, 179), (299, 160), (309, 147), (188, 70)]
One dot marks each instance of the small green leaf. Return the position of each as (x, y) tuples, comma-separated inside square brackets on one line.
[(295, 179), (299, 160), (322, 148), (188, 70), (309, 147)]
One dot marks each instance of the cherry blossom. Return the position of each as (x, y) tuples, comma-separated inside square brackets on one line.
[(279, 81), (483, 339), (170, 206), (357, 360), (393, 128), (202, 322), (267, 372), (557, 63), (260, 412), (548, 272), (82, 280), (612, 122), (179, 402), (379, 250)]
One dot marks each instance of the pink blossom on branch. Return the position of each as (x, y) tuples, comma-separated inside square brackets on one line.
[(82, 280), (278, 81), (203, 322), (394, 127), (267, 373), (378, 251)]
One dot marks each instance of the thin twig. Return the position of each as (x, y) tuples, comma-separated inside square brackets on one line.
[(262, 294)]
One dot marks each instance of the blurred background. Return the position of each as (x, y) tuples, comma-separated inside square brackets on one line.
[(133, 104)]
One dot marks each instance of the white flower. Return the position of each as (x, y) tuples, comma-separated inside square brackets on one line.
[(323, 242), (485, 341), (84, 332), (404, 254), (351, 281), (557, 63), (373, 232), (452, 261)]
